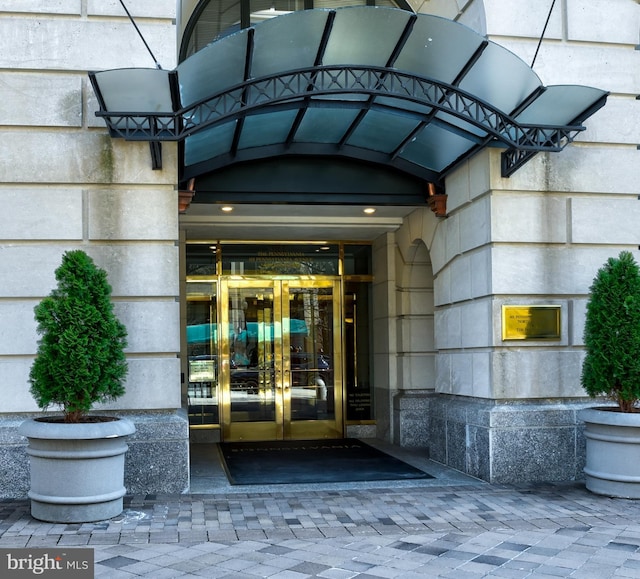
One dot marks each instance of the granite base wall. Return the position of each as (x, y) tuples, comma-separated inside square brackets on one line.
[(382, 414), (14, 462), (411, 419), (157, 460), (496, 441), (361, 431), (508, 442)]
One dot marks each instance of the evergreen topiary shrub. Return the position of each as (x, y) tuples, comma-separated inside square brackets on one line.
[(80, 359), (612, 334)]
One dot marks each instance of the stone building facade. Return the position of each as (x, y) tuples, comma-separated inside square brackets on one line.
[(443, 376)]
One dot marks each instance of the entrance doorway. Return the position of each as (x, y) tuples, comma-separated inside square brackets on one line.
[(283, 374), (276, 348)]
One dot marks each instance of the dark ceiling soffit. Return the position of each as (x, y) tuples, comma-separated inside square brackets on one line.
[(312, 179), (324, 198), (261, 95), (306, 149)]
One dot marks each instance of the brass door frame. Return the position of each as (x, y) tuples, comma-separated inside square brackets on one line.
[(282, 427)]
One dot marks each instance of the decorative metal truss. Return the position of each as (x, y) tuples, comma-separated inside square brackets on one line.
[(438, 103)]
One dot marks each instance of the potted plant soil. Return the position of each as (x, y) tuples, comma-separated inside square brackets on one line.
[(77, 458), (611, 370)]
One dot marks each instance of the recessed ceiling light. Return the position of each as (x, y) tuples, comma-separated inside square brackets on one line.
[(226, 208), (369, 210)]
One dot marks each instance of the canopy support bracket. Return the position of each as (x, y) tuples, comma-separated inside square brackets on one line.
[(155, 148)]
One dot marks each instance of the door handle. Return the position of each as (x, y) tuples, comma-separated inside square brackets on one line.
[(279, 381)]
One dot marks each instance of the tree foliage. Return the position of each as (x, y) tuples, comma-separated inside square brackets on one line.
[(80, 359), (612, 333)]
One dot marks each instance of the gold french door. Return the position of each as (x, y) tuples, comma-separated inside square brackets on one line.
[(281, 371)]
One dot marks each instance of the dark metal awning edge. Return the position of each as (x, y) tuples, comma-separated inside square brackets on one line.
[(522, 141)]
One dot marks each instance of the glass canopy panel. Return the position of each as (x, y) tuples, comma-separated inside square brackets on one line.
[(381, 132), (216, 67), (560, 105), (409, 108), (500, 78), (435, 148), (135, 89), (437, 48), (352, 33), (462, 125), (288, 43), (324, 125), (269, 129), (362, 36), (209, 143)]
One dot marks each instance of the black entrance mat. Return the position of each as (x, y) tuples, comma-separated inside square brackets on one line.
[(312, 461)]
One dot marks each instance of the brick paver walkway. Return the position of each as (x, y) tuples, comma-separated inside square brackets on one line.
[(464, 531)]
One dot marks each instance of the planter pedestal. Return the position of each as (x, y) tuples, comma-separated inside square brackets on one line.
[(613, 450), (77, 470)]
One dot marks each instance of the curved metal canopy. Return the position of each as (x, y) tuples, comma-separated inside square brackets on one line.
[(414, 92)]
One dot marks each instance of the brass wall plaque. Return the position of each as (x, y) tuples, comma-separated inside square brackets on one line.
[(531, 322)]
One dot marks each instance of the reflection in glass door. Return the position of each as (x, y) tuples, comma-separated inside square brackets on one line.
[(251, 406), (281, 359), (202, 371), (313, 352)]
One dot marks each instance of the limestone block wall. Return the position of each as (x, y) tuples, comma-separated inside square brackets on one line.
[(403, 330), (539, 236), (416, 360), (415, 320), (65, 184), (384, 333), (507, 411)]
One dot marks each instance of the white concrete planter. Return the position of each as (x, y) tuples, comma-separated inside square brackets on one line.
[(613, 452), (77, 470)]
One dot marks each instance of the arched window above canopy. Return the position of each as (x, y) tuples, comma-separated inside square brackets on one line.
[(211, 20)]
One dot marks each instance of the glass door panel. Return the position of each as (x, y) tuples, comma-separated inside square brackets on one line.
[(253, 348), (312, 343), (202, 386), (281, 339)]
